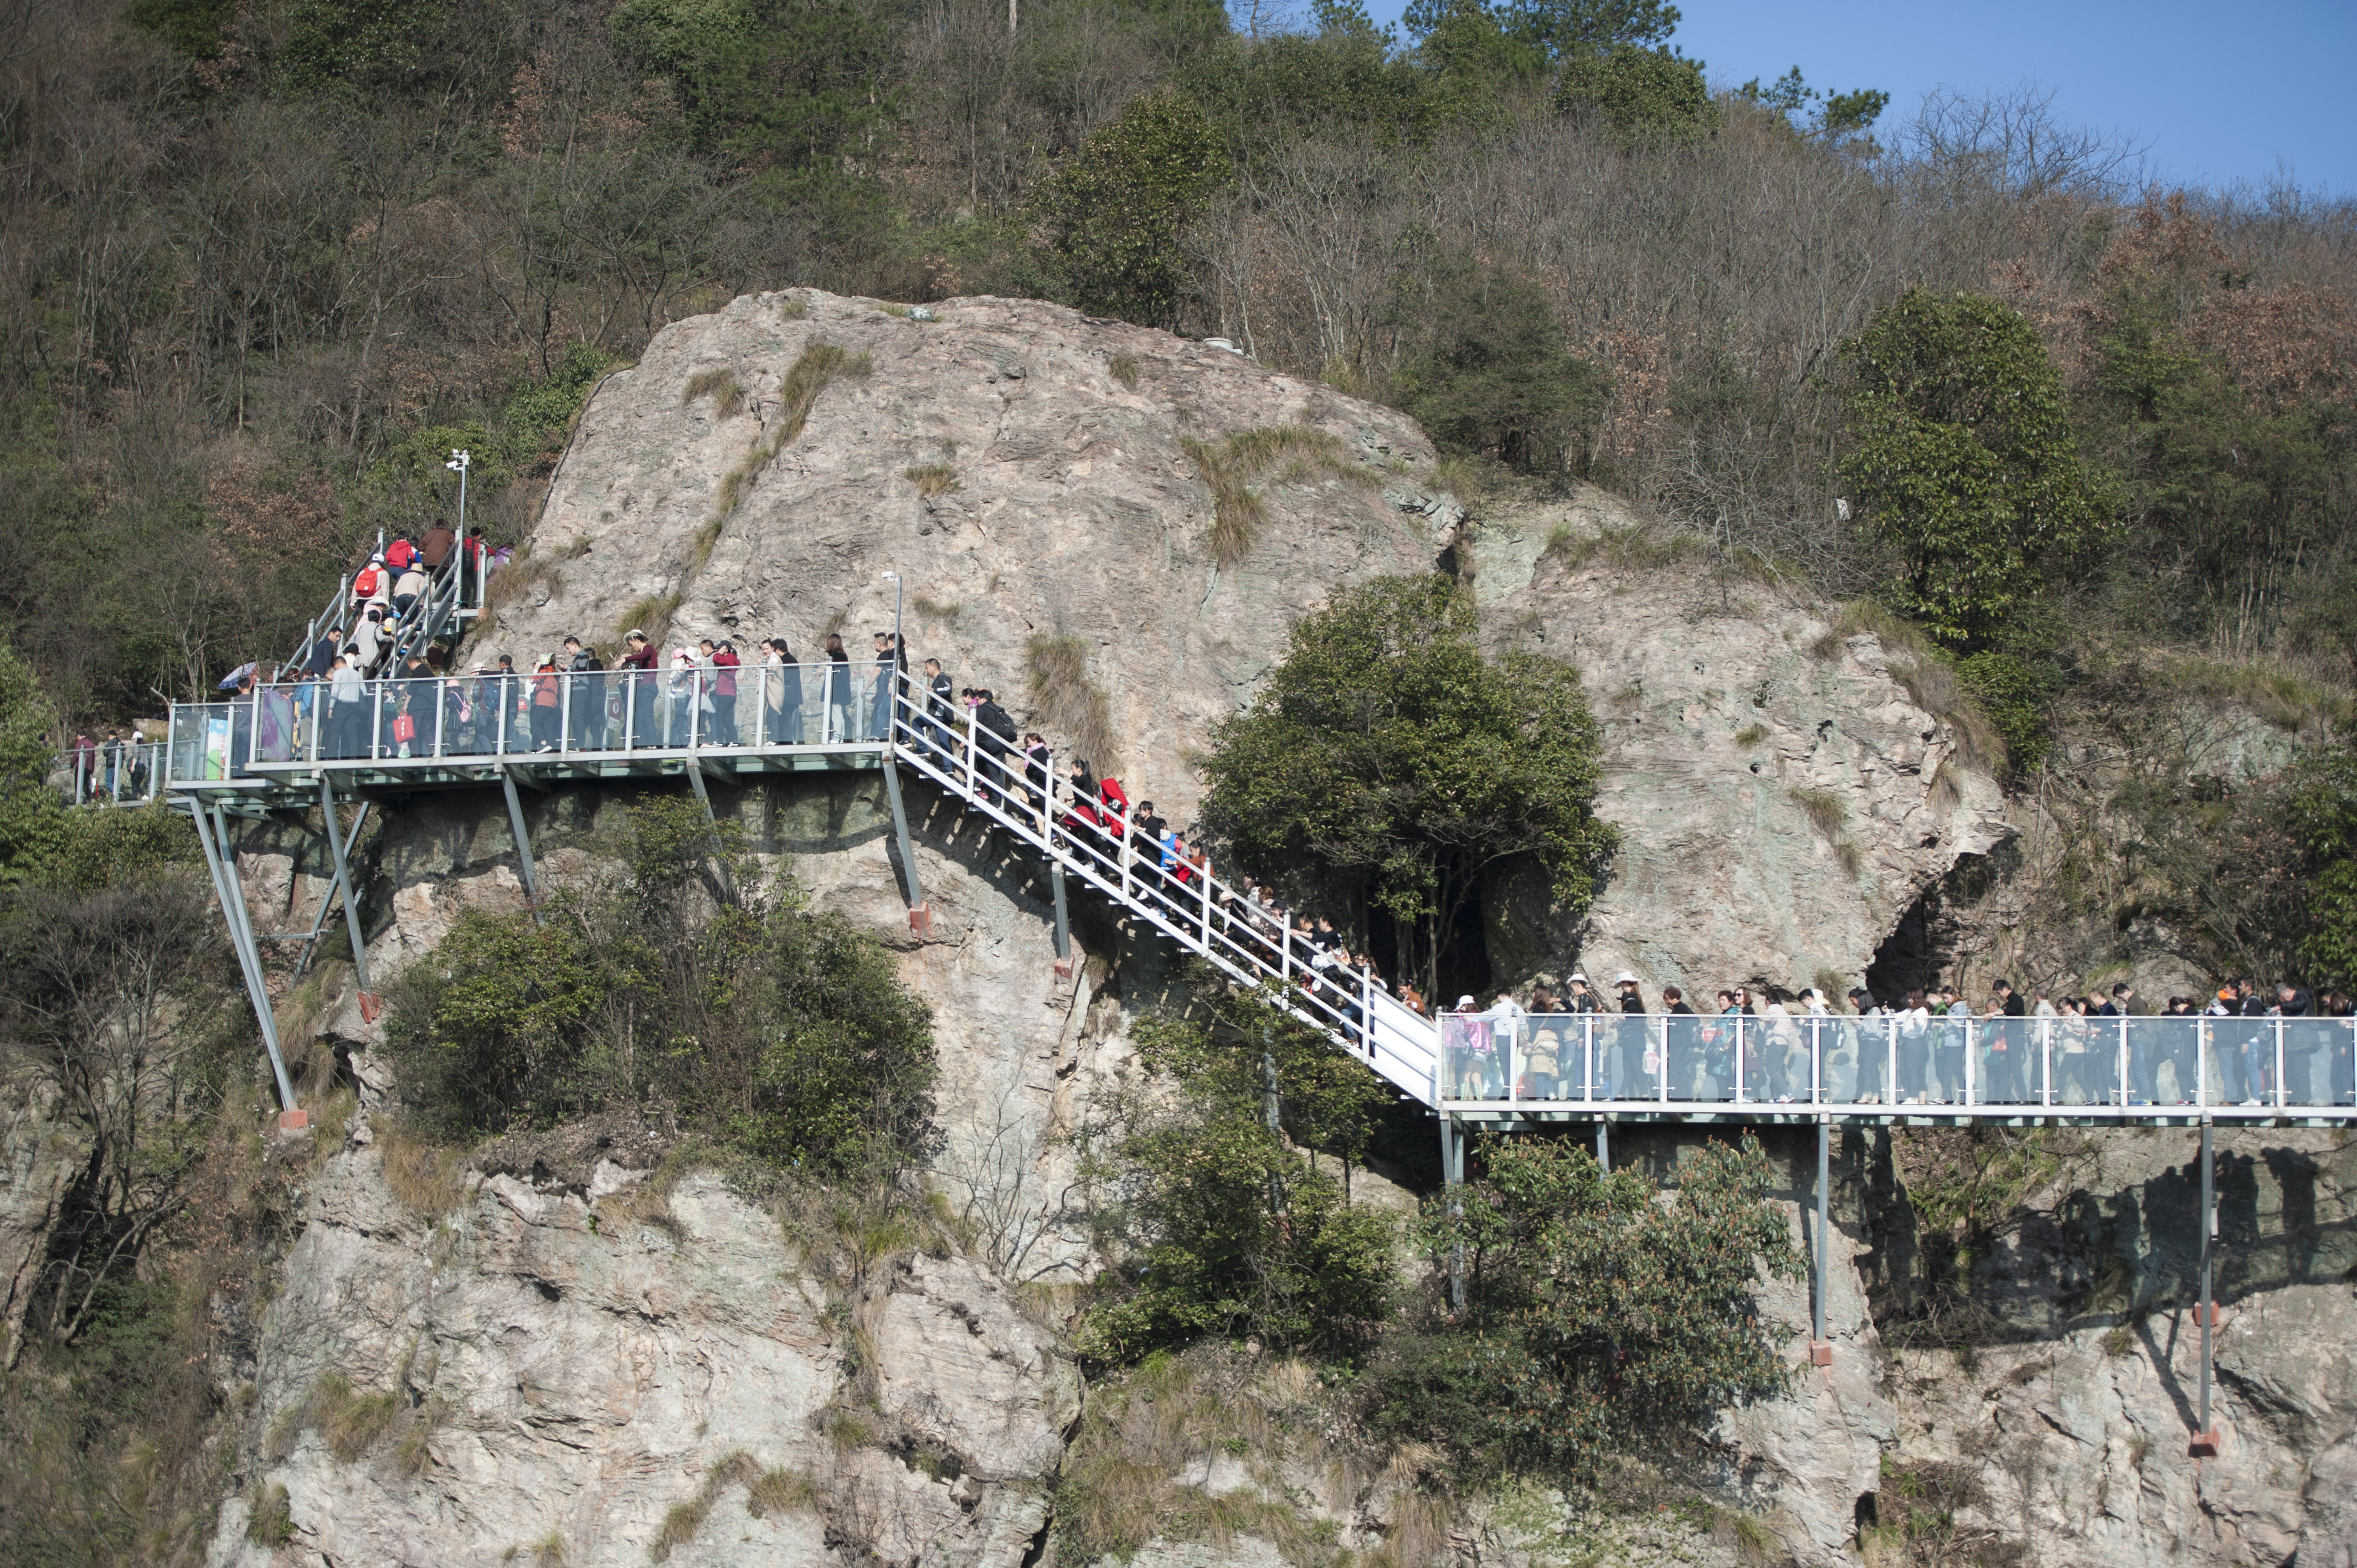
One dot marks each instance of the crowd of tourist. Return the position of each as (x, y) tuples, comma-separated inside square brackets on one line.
[(377, 692), (1928, 1047)]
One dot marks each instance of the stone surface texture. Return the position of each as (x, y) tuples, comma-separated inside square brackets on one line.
[(557, 1381), (558, 1376)]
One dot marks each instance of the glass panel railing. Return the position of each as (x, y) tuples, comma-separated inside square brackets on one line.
[(2317, 1056), (117, 773)]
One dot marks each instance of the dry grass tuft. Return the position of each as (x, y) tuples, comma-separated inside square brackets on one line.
[(1827, 811), (1750, 736), (1122, 368), (1636, 548), (512, 581), (1852, 861), (651, 614), (935, 609), (348, 1422), (773, 1490), (270, 1515), (1126, 1476), (933, 480), (820, 366), (1229, 467), (719, 385), (1066, 703), (428, 1177)]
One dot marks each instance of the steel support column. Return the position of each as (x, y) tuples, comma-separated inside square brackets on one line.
[(1820, 1349), (219, 860), (1063, 920), (1604, 1145), (344, 877), (908, 849), (1452, 1176), (523, 843), (703, 795), (2205, 1441), (328, 900)]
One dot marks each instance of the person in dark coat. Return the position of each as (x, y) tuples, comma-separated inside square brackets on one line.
[(997, 736), (838, 691), (585, 697)]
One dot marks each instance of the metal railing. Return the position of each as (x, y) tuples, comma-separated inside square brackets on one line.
[(2138, 1066), (417, 721), (1087, 836), (129, 773)]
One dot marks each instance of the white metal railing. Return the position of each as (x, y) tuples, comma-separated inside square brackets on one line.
[(115, 773), (1093, 838), (413, 723), (2138, 1066)]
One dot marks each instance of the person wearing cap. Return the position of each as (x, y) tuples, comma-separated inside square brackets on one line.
[(585, 697), (639, 659), (1582, 1000)]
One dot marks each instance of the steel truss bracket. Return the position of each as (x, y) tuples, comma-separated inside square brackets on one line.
[(529, 873)]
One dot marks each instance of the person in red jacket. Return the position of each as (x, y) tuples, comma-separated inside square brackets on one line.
[(725, 664)]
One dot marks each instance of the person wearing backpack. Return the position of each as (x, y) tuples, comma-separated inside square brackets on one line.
[(372, 586), (586, 699)]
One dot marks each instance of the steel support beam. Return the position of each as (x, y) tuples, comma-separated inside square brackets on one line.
[(328, 900), (524, 866), (219, 859), (2205, 1441), (908, 850), (1604, 1145), (1452, 1172), (1063, 919), (344, 878), (1820, 1349), (719, 865)]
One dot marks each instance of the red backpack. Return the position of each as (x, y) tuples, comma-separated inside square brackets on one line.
[(364, 586)]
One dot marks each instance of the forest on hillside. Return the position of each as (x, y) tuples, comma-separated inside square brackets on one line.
[(266, 261)]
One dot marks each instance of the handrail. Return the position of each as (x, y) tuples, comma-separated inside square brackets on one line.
[(1184, 903), (2136, 1066)]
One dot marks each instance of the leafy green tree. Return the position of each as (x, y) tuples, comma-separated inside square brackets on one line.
[(1839, 119), (32, 814), (1393, 761), (685, 987), (1964, 460), (1602, 1315), (1644, 94), (2324, 818), (1225, 1230), (797, 83), (1493, 374), (1114, 213), (1563, 29)]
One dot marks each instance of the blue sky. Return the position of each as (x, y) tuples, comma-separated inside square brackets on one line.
[(2215, 93)]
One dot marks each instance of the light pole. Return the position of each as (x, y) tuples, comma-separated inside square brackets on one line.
[(460, 461)]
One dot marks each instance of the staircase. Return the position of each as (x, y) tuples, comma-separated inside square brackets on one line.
[(1080, 836)]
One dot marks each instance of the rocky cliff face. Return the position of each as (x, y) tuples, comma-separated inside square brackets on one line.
[(562, 1369), (565, 1363)]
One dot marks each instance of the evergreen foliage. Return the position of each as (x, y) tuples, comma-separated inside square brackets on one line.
[(1116, 214), (1966, 465), (782, 1034), (1392, 765)]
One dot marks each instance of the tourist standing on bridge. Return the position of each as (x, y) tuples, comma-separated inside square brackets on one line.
[(584, 707), (346, 697), (996, 733), (838, 691), (408, 589), (639, 687), (891, 663), (725, 664), (323, 652), (434, 549), (941, 715), (781, 694)]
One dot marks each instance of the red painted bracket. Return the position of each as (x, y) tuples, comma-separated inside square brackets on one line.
[(1821, 1353)]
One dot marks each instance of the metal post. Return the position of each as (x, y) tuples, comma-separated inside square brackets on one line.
[(2279, 1065), (1890, 1039), (1452, 1171), (219, 860), (1063, 923), (2201, 1063), (1971, 1049), (336, 845), (1604, 1145), (523, 843), (1823, 1348), (1587, 1052), (2046, 1054), (564, 713), (2205, 1441), (908, 849), (704, 796), (327, 902), (1738, 1058)]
